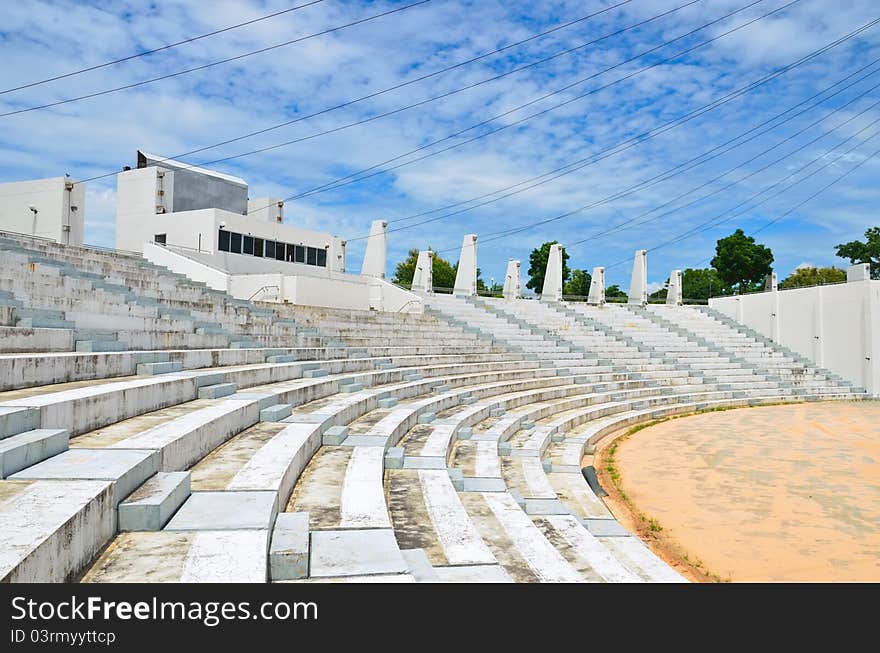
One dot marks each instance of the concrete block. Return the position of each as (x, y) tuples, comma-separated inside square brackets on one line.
[(423, 462), (464, 433), (496, 412), (387, 402), (394, 458), (20, 451), (289, 548), (219, 511), (335, 435), (126, 468), (420, 566), (315, 373), (427, 418), (351, 387), (605, 528), (457, 478), (473, 574), (14, 420), (412, 376), (355, 553), (365, 441), (276, 412), (503, 448), (150, 506), (483, 484), (545, 507), (385, 365), (217, 390), (165, 367)]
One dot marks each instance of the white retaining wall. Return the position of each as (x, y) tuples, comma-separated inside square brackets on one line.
[(837, 326)]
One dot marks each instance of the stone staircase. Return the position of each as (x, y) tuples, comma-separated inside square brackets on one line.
[(305, 444)]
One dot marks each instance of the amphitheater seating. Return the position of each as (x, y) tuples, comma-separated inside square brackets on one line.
[(303, 444)]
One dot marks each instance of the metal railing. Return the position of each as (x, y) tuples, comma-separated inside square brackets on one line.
[(278, 288)]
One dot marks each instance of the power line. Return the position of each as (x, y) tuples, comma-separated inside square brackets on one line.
[(354, 177), (634, 222), (675, 171), (636, 140), (434, 98), (192, 39), (395, 87), (214, 63), (784, 69), (719, 219)]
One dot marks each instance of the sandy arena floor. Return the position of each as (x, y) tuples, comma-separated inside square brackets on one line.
[(778, 493)]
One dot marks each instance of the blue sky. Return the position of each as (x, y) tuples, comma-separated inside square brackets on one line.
[(95, 136)]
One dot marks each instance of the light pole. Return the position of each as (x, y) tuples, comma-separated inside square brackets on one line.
[(33, 209)]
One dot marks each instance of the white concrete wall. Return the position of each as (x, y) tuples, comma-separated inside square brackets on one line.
[(60, 204), (195, 270), (837, 326), (330, 289), (138, 203)]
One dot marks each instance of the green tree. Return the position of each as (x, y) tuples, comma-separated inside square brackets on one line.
[(741, 261), (612, 292), (538, 266), (579, 284), (813, 277), (443, 271), (661, 293), (703, 283), (863, 252)]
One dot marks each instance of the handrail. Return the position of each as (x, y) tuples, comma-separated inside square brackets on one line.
[(411, 301), (251, 298)]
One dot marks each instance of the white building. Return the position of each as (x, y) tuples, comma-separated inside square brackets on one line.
[(49, 208), (186, 207), (201, 223)]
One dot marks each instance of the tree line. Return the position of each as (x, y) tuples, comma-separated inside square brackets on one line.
[(740, 265)]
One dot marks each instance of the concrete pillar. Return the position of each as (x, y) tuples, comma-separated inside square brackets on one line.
[(512, 285), (638, 285), (674, 291), (466, 277), (771, 283), (597, 287), (858, 272), (374, 258), (552, 291), (423, 279)]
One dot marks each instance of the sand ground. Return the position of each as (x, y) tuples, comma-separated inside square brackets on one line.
[(776, 493)]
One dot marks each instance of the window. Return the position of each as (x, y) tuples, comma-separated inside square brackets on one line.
[(258, 246), (235, 242), (223, 241), (270, 249), (322, 258), (279, 251), (311, 256), (289, 253), (160, 238), (299, 254), (248, 245)]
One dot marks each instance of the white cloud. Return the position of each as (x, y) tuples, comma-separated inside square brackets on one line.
[(43, 38)]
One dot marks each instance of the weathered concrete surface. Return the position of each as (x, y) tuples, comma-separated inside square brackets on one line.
[(125, 468), (51, 528), (215, 511), (226, 556), (473, 574), (150, 506), (289, 549), (30, 447), (355, 553)]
